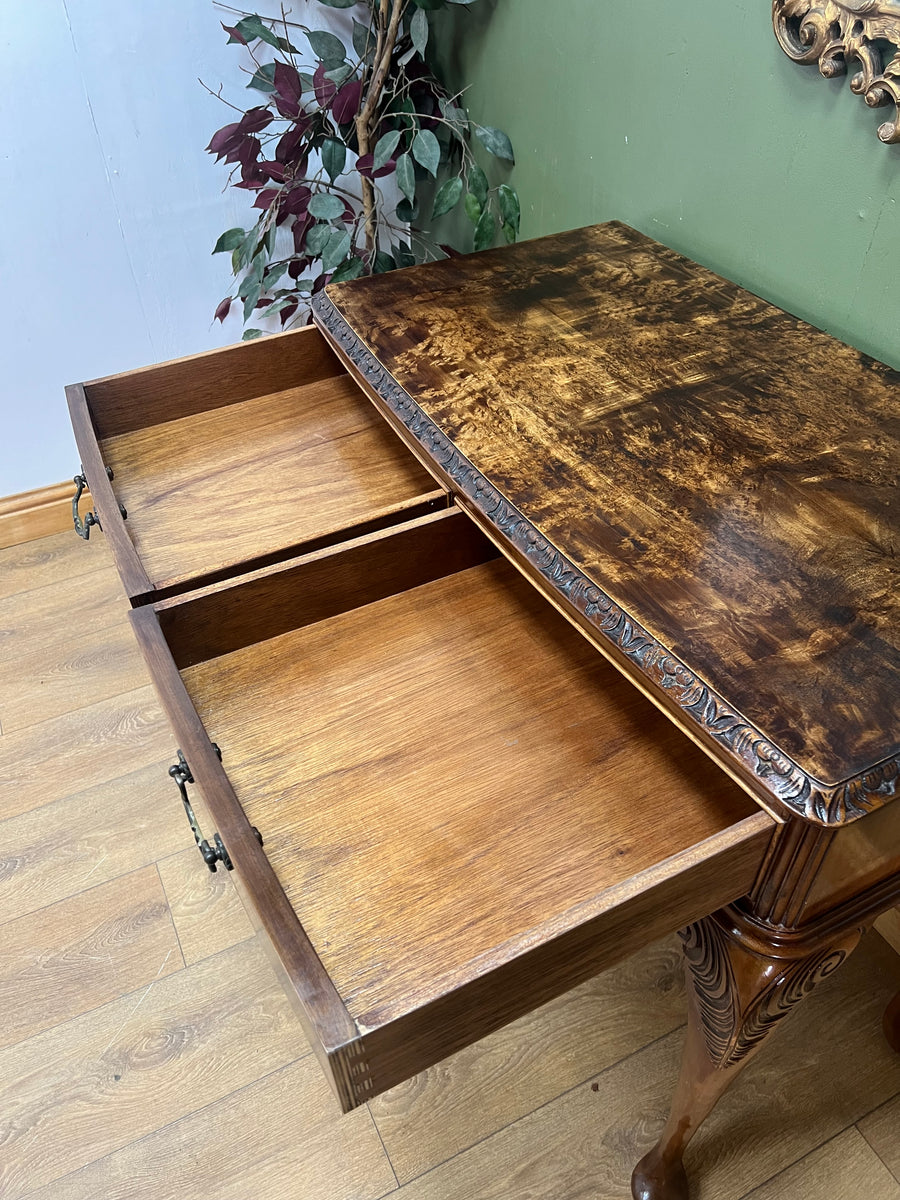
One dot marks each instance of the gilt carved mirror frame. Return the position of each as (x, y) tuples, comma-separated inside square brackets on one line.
[(862, 36)]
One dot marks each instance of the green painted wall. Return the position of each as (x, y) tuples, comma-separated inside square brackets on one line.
[(687, 121)]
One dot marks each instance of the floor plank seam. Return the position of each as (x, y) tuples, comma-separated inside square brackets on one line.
[(82, 892), (170, 1124), (594, 1075), (161, 763), (795, 1162), (384, 1148)]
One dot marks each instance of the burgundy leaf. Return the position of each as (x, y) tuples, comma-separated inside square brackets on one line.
[(233, 34), (274, 170), (326, 89), (287, 312), (224, 139), (321, 281), (249, 151), (266, 197), (301, 227), (364, 166), (223, 309), (298, 266), (288, 90), (346, 102), (296, 200), (291, 141), (253, 182), (255, 119)]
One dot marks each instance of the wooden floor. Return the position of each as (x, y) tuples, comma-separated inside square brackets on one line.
[(147, 1052)]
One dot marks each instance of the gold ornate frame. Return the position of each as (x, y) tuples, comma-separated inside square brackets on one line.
[(840, 33)]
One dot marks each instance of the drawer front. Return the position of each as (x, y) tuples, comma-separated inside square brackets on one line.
[(465, 810), (223, 462)]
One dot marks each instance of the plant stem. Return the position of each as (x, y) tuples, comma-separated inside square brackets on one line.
[(387, 37)]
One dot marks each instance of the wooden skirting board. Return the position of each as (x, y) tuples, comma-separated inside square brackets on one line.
[(38, 513)]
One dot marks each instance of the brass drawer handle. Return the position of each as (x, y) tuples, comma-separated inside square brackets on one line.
[(83, 528), (216, 853)]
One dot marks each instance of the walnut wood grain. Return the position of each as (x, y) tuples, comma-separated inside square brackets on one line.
[(272, 601), (225, 462), (452, 787), (214, 379), (706, 481)]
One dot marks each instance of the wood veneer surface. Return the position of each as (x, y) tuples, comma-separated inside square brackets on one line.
[(726, 473), (214, 489), (471, 769)]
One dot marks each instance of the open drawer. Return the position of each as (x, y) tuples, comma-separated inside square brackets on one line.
[(220, 463), (464, 810)]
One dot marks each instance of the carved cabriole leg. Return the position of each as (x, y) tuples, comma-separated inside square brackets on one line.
[(743, 977), (892, 1023)]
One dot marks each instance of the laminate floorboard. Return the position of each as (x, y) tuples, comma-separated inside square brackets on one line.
[(845, 1166), (129, 1076)]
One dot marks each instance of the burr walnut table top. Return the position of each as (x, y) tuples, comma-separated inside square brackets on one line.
[(705, 484)]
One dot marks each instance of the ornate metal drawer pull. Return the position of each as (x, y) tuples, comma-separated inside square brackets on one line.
[(83, 528), (212, 854)]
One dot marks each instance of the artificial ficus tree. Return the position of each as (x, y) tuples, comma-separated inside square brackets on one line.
[(350, 151)]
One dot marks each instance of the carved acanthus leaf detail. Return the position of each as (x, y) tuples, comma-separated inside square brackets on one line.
[(841, 35)]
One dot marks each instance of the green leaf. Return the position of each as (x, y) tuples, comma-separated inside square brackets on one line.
[(244, 252), (418, 30), (336, 249), (249, 334), (363, 41), (384, 148), (406, 177), (407, 211), (327, 47), (427, 151), (403, 254), (229, 240), (250, 300), (447, 197), (459, 1), (473, 208), (278, 306), (510, 213), (309, 84), (325, 207), (496, 141), (338, 3), (509, 233), (253, 278), (478, 184), (384, 262), (272, 275), (304, 285), (316, 238), (350, 268), (252, 27), (263, 78), (457, 117), (334, 155), (485, 230), (340, 73), (430, 5)]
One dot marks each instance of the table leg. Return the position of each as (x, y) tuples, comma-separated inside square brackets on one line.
[(892, 1023), (743, 978)]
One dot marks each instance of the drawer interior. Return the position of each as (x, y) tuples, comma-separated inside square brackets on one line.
[(450, 781), (232, 459)]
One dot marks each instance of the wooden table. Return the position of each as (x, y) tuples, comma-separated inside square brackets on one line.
[(708, 489), (444, 806)]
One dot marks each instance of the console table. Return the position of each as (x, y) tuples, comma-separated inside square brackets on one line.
[(628, 663)]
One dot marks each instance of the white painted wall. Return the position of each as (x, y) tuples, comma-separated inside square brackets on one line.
[(109, 207)]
